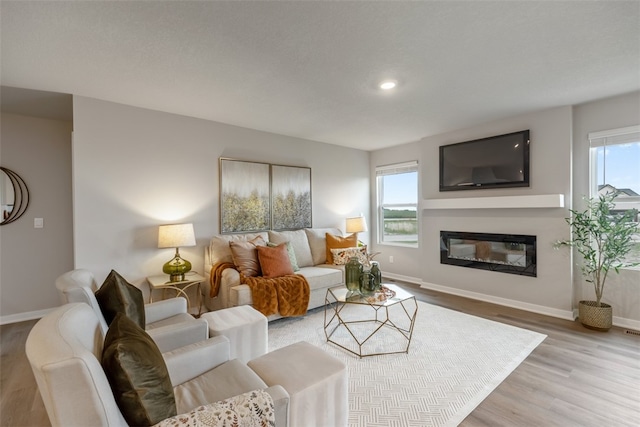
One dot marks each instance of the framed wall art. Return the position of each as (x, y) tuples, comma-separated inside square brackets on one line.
[(290, 197), (258, 196), (245, 203)]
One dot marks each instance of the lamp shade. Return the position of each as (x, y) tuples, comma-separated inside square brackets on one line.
[(176, 236), (356, 224)]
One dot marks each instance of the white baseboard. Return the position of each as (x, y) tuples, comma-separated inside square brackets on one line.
[(534, 308), (626, 323), (22, 317), (402, 278)]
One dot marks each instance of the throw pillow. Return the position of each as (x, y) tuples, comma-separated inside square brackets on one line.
[(137, 374), (274, 262), (299, 242), (116, 295), (339, 242), (245, 256), (342, 256), (290, 252)]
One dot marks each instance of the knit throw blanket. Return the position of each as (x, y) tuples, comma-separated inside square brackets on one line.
[(286, 295)]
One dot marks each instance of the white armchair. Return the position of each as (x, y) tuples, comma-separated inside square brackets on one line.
[(167, 322), (65, 347)]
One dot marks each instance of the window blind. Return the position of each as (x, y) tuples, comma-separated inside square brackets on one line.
[(615, 136), (397, 168)]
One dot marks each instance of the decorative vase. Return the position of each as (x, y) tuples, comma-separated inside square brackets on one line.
[(593, 317), (367, 284), (352, 273), (377, 275)]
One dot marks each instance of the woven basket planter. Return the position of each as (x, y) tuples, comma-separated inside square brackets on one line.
[(593, 317)]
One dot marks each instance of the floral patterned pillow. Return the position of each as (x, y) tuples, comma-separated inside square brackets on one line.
[(342, 255), (254, 408)]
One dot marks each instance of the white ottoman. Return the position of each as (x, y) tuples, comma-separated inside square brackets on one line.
[(317, 383), (245, 327)]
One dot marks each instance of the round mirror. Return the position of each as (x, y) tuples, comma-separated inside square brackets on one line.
[(14, 196)]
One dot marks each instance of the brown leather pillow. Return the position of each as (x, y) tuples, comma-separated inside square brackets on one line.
[(245, 256), (137, 374), (274, 261), (339, 242)]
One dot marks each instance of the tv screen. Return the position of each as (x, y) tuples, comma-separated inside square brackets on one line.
[(497, 161)]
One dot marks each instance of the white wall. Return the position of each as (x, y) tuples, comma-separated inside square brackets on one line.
[(551, 291), (135, 169), (622, 291), (39, 150)]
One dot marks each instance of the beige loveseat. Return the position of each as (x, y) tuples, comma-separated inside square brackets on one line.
[(309, 246)]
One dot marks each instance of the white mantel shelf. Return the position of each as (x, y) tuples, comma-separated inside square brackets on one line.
[(502, 202)]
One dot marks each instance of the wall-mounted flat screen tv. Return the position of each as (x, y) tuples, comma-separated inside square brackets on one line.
[(494, 162)]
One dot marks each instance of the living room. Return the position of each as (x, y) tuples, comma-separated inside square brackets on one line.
[(106, 175)]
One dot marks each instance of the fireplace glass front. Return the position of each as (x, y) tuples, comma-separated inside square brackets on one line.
[(505, 253)]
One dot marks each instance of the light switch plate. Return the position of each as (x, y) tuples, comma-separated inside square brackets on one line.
[(38, 222)]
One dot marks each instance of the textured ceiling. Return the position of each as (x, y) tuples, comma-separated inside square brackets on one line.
[(310, 69)]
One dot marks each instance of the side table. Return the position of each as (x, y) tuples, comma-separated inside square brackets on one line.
[(162, 282)]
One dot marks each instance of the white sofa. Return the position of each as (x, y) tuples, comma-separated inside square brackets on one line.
[(309, 246)]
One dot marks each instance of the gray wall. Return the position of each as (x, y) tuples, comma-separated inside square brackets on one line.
[(135, 169), (559, 144), (551, 291), (39, 150)]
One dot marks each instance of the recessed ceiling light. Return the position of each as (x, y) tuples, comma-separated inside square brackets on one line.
[(388, 84)]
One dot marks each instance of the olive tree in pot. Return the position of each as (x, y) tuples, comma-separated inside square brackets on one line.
[(604, 240)]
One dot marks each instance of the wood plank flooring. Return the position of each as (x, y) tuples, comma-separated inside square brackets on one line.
[(576, 377)]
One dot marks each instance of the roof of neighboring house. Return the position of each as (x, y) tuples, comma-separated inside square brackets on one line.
[(625, 191)]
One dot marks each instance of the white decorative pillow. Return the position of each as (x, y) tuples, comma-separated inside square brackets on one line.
[(254, 408), (342, 255)]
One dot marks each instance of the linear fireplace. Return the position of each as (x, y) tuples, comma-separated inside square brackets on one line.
[(505, 253)]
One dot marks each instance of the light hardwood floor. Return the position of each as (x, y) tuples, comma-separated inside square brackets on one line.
[(576, 377)]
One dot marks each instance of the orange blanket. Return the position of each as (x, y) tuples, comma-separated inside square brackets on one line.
[(287, 295), (216, 275)]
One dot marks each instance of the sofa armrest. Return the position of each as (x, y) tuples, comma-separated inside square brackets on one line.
[(280, 403), (163, 309), (171, 337), (240, 295), (194, 360)]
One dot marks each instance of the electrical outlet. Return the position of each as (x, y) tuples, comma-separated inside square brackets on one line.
[(390, 259), (38, 223)]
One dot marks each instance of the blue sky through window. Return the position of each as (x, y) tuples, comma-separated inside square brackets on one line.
[(401, 188), (622, 167)]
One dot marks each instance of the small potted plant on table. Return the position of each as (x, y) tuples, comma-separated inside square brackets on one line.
[(603, 239)]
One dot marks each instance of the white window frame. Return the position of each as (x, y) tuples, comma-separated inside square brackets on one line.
[(394, 169), (607, 138)]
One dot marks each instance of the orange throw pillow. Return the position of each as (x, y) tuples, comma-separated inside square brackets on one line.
[(274, 261), (339, 242)]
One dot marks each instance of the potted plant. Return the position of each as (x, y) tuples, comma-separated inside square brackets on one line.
[(603, 239)]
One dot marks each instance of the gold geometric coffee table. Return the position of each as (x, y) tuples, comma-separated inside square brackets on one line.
[(370, 326)]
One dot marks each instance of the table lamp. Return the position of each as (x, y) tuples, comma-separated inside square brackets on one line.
[(356, 225), (176, 236)]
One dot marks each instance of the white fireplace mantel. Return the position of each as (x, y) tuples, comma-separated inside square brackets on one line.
[(501, 202)]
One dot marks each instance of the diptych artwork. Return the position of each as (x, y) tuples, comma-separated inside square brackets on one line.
[(259, 196)]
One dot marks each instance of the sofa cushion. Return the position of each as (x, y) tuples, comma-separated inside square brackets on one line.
[(245, 255), (219, 250), (274, 261), (226, 380), (342, 256), (137, 374), (299, 242), (290, 252), (116, 295), (318, 242), (338, 242)]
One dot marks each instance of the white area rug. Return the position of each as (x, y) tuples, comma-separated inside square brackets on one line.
[(454, 362)]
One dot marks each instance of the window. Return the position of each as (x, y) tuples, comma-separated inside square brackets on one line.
[(398, 204), (615, 160)]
